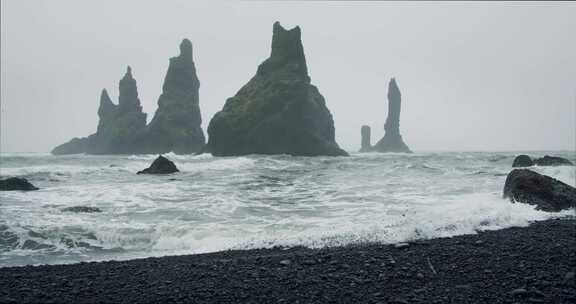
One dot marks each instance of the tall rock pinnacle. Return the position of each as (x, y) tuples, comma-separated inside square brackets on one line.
[(176, 124), (392, 140), (366, 144), (106, 111), (122, 128), (278, 111), (128, 98)]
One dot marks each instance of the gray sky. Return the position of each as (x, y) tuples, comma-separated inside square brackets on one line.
[(473, 75)]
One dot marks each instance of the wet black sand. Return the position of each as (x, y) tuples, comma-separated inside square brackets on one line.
[(535, 264)]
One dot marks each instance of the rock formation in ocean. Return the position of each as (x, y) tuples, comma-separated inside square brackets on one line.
[(15, 184), (552, 161), (546, 193), (526, 161), (522, 161), (278, 111), (161, 165), (366, 144), (176, 124), (76, 145), (119, 126), (122, 128), (81, 209), (392, 140)]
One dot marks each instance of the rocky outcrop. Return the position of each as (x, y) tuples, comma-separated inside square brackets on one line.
[(74, 146), (366, 143), (546, 193), (278, 111), (392, 140), (15, 184), (523, 161), (119, 126), (82, 209), (526, 161), (552, 161), (161, 165), (122, 128), (176, 124)]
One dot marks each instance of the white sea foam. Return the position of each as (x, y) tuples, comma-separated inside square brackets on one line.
[(252, 202)]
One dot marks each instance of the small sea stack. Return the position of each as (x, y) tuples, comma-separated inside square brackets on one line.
[(546, 193), (392, 140), (161, 165), (366, 145), (16, 184), (278, 111)]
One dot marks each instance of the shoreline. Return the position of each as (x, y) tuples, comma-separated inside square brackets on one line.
[(533, 264)]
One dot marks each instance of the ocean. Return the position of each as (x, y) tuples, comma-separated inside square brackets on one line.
[(256, 201)]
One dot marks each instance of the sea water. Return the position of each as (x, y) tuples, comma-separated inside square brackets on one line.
[(256, 201)]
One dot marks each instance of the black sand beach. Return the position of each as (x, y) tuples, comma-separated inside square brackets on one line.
[(535, 264)]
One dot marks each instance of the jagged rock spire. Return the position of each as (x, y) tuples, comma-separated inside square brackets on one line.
[(106, 105), (128, 98), (392, 125), (287, 53), (392, 140), (176, 123)]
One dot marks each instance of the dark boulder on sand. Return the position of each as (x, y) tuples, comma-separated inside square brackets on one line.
[(161, 165), (546, 193), (522, 161), (15, 184), (552, 161), (278, 111)]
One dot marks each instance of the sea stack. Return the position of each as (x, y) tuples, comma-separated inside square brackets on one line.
[(392, 140), (176, 124), (278, 111), (121, 125), (366, 145), (122, 128)]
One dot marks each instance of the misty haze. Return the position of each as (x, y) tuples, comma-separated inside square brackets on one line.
[(287, 152)]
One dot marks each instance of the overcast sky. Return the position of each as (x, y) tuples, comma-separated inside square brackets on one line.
[(473, 75)]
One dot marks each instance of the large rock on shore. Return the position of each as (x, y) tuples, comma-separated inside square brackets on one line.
[(176, 124), (546, 193), (278, 111), (161, 165), (392, 140), (15, 184)]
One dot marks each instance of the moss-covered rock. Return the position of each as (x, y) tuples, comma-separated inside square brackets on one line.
[(278, 111)]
